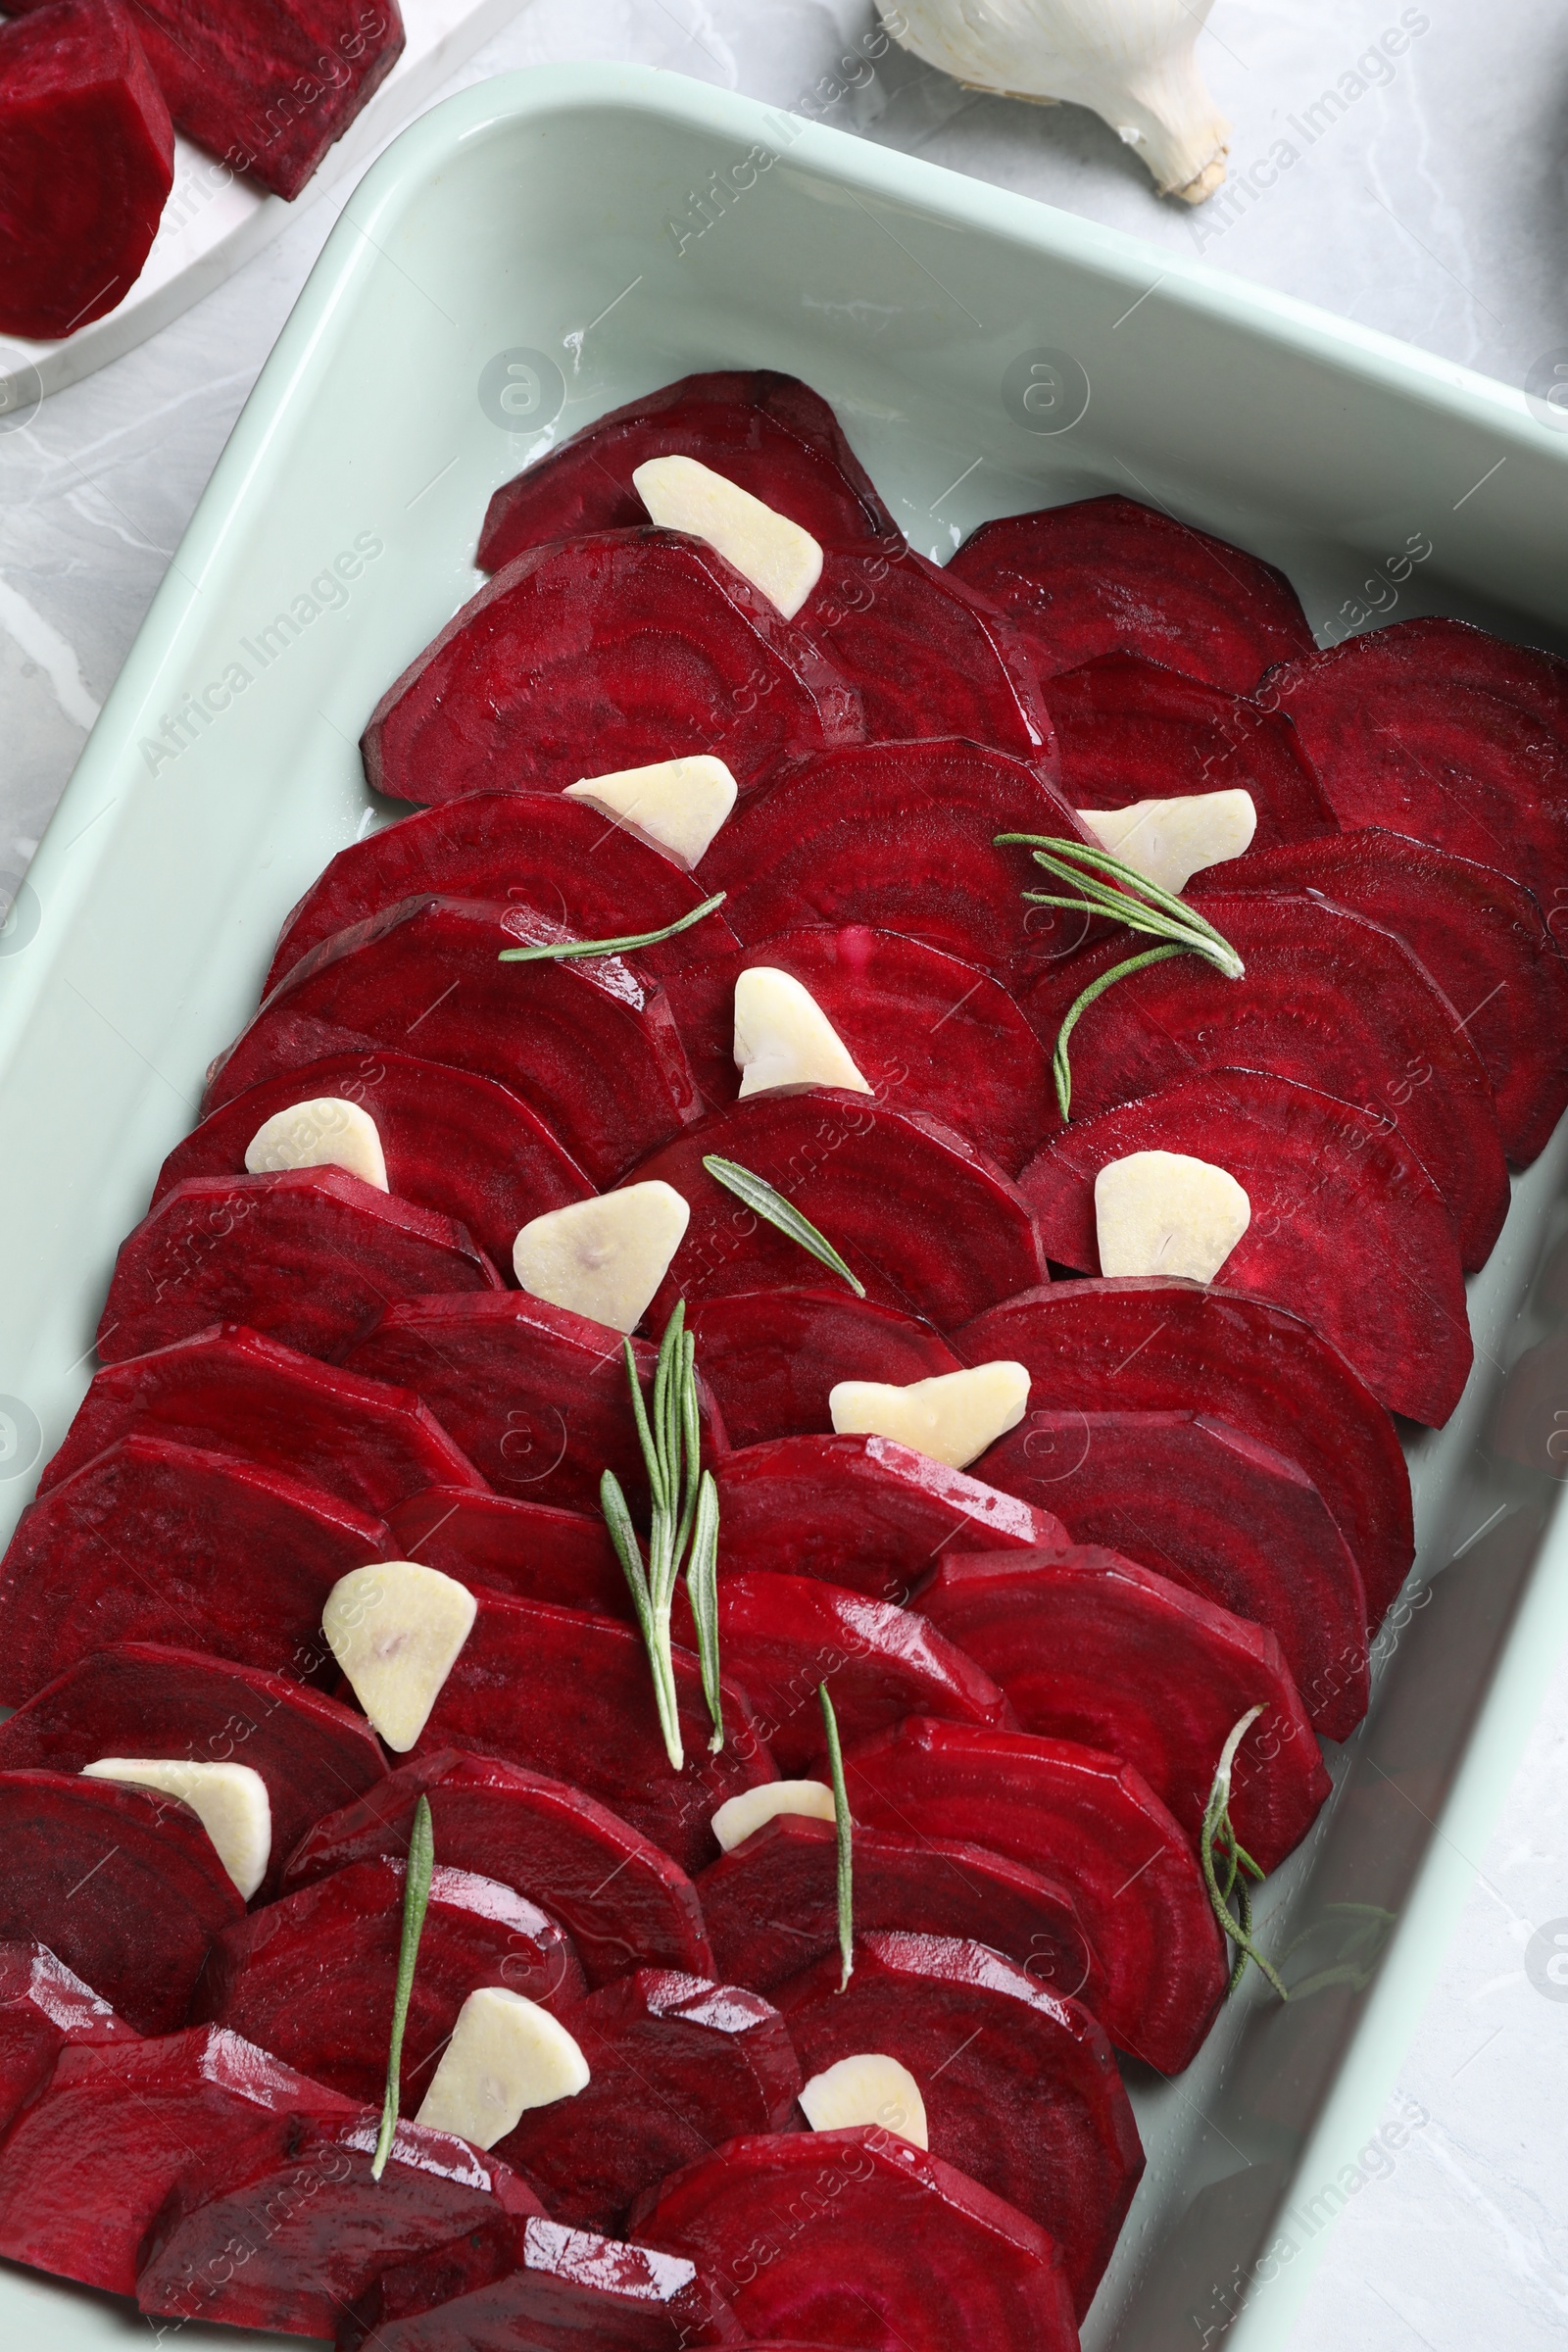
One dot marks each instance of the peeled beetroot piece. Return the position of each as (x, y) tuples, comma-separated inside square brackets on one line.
[(526, 1548), (624, 1901), (770, 433), (44, 2009), (572, 1695), (308, 1257), (1536, 682), (590, 1048), (927, 1223), (152, 1541), (236, 1392), (1346, 1227), (926, 1032), (86, 162), (1147, 1345), (598, 654), (771, 1903), (894, 2251), (772, 1356), (454, 1142), (312, 1978), (863, 1512), (142, 1700), (1105, 576), (1021, 2088), (675, 2066), (1084, 1818), (1092, 1649)]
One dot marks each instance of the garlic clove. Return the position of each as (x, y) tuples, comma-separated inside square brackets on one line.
[(784, 1038), (869, 2088), (230, 1800), (1171, 840), (1164, 1212), (396, 1629), (324, 1133), (776, 555), (679, 804), (505, 2056), (740, 1816), (604, 1257), (953, 1417)]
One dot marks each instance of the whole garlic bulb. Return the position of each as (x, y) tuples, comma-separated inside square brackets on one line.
[(1129, 60)]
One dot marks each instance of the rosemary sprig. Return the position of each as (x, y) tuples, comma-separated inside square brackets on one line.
[(559, 949), (845, 1838), (416, 1902), (760, 1198), (1127, 897), (1217, 1833)]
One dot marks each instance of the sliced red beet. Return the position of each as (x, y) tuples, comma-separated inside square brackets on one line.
[(152, 1541), (1084, 1818), (770, 433), (1105, 576), (122, 1884), (1130, 729), (138, 1699), (1157, 1343), (572, 1695), (622, 1898), (1215, 1510), (1346, 1226), (590, 1048), (601, 653), (85, 2170), (530, 1549), (454, 1142), (45, 2008), (236, 1392), (312, 1978), (863, 1512), (1021, 2088), (926, 1032), (868, 2241), (1537, 682), (308, 1257), (1091, 1648), (928, 1224), (772, 1356), (86, 162), (676, 2064)]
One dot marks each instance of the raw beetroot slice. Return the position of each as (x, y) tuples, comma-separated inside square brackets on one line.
[(1091, 1648), (1346, 1227), (598, 654), (770, 433), (772, 1356), (530, 1549), (45, 2008), (624, 1901), (1143, 1346), (86, 162), (894, 2251), (1105, 575)]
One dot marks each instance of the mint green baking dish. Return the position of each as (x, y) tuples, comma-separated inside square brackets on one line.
[(530, 255)]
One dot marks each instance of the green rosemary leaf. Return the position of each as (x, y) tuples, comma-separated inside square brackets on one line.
[(1061, 1069), (1217, 1832), (652, 1461), (557, 950), (416, 1902), (623, 1536), (845, 1838), (702, 1586), (760, 1198)]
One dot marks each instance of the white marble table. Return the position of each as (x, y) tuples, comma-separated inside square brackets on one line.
[(1432, 205)]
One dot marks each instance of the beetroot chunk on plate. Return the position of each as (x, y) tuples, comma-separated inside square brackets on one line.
[(529, 1549), (45, 2008), (893, 2250), (1346, 1226), (863, 1512), (235, 1392), (597, 654), (624, 1901), (1021, 2088), (1147, 1345), (86, 162), (772, 1356), (142, 1700), (770, 433), (308, 1257), (1087, 1819), (1105, 575), (1093, 1649), (152, 1541)]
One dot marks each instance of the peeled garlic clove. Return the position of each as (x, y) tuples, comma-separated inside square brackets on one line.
[(738, 1817), (604, 1257), (230, 1800), (774, 554), (784, 1038), (678, 803), (952, 1416), (1164, 1212), (325, 1133), (396, 1629), (867, 2089), (505, 2056), (1171, 840)]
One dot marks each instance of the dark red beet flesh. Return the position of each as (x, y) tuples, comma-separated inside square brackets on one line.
[(45, 2008), (528, 1549), (772, 1356)]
